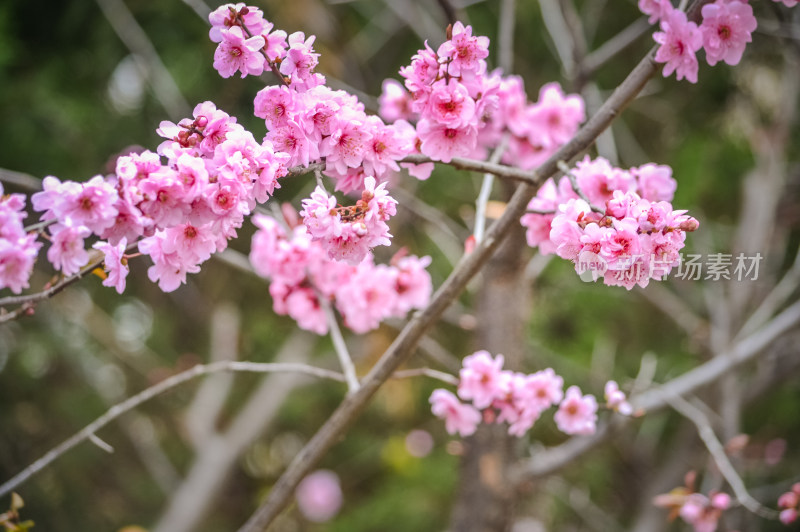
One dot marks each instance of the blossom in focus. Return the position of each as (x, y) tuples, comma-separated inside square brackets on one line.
[(237, 53), (458, 417), (680, 39), (577, 413), (115, 264), (726, 28), (481, 379)]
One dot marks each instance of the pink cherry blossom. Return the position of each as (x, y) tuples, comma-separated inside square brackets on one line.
[(566, 230), (727, 27), (656, 9), (449, 104), (394, 103), (67, 251), (541, 390), (655, 182), (368, 297), (237, 53), (616, 400), (555, 116), (457, 416), (319, 496), (16, 262), (442, 143), (412, 284), (115, 263), (481, 380), (577, 413), (225, 17), (680, 39), (275, 104), (465, 53)]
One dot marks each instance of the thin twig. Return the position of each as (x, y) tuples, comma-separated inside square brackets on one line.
[(655, 398), (340, 346), (100, 443), (144, 53), (167, 384), (777, 297), (743, 351), (21, 180), (426, 372), (615, 45), (500, 170), (717, 451), (486, 191), (505, 35)]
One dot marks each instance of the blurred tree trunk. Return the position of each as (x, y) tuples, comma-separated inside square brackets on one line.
[(486, 498)]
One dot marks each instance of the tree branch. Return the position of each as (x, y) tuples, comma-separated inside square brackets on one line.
[(149, 393)]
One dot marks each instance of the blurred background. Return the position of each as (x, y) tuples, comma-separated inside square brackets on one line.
[(82, 81)]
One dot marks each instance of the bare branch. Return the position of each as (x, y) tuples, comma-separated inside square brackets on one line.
[(500, 170), (149, 393), (21, 180), (741, 352), (717, 451), (615, 45), (505, 35), (340, 346), (426, 372), (486, 190)]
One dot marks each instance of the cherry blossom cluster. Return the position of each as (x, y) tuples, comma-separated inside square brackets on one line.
[(635, 238), (349, 233), (725, 30), (248, 44), (700, 511), (303, 276), (498, 395), (789, 504), (459, 107), (323, 123), (181, 212), (18, 248)]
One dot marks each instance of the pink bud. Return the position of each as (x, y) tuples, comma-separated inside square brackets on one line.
[(721, 501), (689, 225), (469, 245), (788, 516)]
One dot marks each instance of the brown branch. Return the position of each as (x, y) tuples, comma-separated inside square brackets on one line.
[(500, 170), (149, 393), (404, 345)]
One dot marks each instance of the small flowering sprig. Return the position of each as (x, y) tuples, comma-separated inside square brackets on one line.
[(349, 233), (726, 28), (496, 395), (635, 238), (248, 44), (616, 399), (301, 273), (701, 511), (789, 505), (460, 106)]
